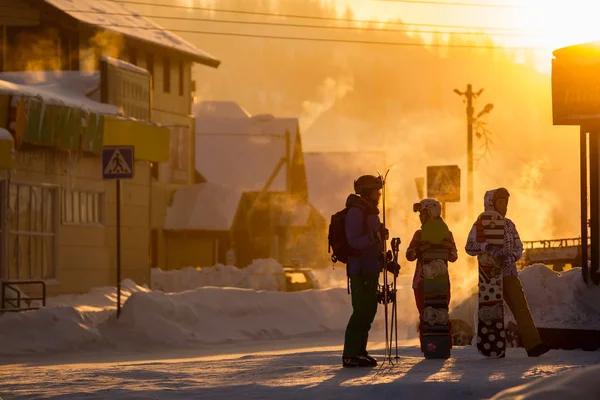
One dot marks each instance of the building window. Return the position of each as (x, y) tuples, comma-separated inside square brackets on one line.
[(83, 207), (150, 67), (32, 227), (133, 56), (154, 170), (181, 77), (154, 248), (167, 75)]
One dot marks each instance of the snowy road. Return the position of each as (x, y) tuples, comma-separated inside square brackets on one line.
[(289, 370)]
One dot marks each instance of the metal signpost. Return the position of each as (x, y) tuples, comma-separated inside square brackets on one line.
[(118, 163), (443, 184)]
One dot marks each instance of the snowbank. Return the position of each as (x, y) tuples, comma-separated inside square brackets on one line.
[(191, 318), (97, 299), (49, 330), (209, 315), (216, 315), (561, 300), (264, 274), (205, 315), (67, 323), (556, 300)]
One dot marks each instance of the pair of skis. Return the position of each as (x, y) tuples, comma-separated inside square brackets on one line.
[(389, 290)]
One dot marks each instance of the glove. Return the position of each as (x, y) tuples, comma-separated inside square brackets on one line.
[(390, 256), (393, 267), (497, 252), (411, 253), (423, 246), (479, 232), (381, 234)]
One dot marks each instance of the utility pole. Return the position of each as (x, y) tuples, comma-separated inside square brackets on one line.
[(469, 95)]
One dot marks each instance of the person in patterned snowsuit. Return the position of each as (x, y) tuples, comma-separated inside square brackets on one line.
[(508, 254), (427, 209)]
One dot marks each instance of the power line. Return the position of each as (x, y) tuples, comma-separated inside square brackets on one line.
[(350, 28), (469, 46), (317, 18), (456, 4)]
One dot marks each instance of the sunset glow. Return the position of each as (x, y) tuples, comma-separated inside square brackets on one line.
[(543, 24), (562, 23)]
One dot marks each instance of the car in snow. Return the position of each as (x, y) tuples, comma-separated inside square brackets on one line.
[(557, 254), (298, 278)]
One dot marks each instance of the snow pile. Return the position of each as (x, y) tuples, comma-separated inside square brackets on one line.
[(580, 383), (263, 274), (556, 300), (49, 330), (201, 316), (68, 322), (207, 315), (561, 300), (216, 315), (97, 299)]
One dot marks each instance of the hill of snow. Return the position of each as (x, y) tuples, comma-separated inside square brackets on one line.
[(208, 314)]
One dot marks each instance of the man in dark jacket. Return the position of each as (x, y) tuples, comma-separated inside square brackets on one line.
[(365, 234)]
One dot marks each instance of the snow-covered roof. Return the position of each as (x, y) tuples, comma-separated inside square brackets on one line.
[(125, 65), (220, 109), (203, 207), (331, 176), (62, 87), (243, 152), (116, 17)]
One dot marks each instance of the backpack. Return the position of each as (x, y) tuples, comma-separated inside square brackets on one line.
[(338, 242)]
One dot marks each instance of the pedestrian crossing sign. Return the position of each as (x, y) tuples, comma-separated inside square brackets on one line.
[(443, 183), (117, 162)]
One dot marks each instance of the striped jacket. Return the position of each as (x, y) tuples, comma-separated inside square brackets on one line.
[(512, 249)]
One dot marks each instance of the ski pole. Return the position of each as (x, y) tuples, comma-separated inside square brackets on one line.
[(385, 282), (395, 251)]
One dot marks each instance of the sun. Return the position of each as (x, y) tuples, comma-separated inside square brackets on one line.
[(557, 23)]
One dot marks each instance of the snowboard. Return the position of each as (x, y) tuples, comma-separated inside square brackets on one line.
[(491, 335), (436, 339)]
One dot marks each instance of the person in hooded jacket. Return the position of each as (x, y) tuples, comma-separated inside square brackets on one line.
[(427, 209), (508, 254), (365, 234)]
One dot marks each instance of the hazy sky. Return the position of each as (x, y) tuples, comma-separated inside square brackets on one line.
[(541, 24), (549, 23)]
